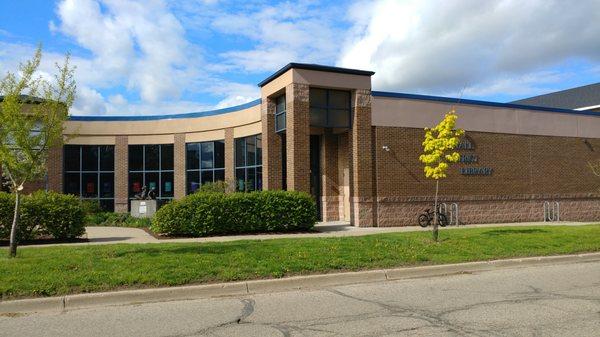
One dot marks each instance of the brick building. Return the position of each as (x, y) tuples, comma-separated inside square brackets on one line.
[(323, 130)]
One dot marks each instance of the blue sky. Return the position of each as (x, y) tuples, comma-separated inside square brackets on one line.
[(167, 56)]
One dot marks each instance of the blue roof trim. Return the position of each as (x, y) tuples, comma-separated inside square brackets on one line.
[(476, 102), (161, 117), (317, 67)]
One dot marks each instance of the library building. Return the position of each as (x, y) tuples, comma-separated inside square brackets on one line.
[(324, 131)]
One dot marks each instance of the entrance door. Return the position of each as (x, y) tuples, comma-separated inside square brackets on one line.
[(315, 171)]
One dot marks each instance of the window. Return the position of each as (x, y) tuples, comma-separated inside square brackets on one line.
[(90, 173), (151, 166), (205, 163), (248, 163), (280, 113), (329, 108)]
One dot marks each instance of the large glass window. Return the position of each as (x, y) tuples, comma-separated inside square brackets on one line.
[(89, 173), (205, 163), (329, 108), (280, 113), (151, 166), (248, 163)]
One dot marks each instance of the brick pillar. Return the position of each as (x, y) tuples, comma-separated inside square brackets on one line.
[(329, 177), (179, 165), (271, 147), (298, 137), (121, 174), (229, 157), (54, 166), (362, 201)]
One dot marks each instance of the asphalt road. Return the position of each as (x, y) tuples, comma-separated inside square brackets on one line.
[(558, 300)]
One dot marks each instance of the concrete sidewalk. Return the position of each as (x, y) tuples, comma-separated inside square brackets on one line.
[(112, 235)]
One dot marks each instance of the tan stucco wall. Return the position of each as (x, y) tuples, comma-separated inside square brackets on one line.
[(413, 113), (245, 122), (317, 79)]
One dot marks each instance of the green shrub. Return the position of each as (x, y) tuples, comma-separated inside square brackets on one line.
[(115, 220), (47, 213), (58, 215), (209, 213), (218, 186), (91, 207), (27, 229)]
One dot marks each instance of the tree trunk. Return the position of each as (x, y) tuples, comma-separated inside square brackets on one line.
[(15, 227), (435, 211)]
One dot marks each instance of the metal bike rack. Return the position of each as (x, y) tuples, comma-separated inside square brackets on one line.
[(452, 214), (551, 211)]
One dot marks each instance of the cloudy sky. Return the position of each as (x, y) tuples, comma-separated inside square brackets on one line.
[(168, 56)]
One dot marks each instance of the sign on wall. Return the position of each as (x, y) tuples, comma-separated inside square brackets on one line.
[(466, 146)]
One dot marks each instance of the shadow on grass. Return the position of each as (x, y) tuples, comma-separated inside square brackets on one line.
[(502, 232)]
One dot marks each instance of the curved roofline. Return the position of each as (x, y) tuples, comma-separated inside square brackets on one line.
[(477, 102), (160, 117)]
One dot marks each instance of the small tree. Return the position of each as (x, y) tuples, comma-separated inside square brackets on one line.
[(438, 152), (32, 112)]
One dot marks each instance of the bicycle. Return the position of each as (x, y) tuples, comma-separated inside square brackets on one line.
[(425, 219)]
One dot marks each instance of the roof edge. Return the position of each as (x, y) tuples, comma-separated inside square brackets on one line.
[(163, 117), (317, 67), (478, 102)]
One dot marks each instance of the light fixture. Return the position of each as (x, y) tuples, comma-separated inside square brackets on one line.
[(386, 148)]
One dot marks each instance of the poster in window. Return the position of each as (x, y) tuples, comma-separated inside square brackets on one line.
[(152, 185), (89, 188), (168, 186), (137, 187)]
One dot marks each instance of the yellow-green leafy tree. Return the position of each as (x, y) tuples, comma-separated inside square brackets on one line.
[(438, 153), (32, 112)]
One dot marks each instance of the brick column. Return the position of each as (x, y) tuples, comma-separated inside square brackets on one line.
[(329, 177), (179, 165), (229, 157), (121, 174), (362, 202), (298, 137), (54, 166), (271, 147)]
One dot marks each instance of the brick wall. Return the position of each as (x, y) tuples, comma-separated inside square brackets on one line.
[(362, 202), (229, 157), (298, 137), (179, 166), (271, 147), (55, 169), (329, 177), (121, 174), (527, 170)]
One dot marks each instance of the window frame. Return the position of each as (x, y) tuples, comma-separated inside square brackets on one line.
[(329, 108), (144, 172), (257, 167), (201, 170), (98, 172), (278, 113)]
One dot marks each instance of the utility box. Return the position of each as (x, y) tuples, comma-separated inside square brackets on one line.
[(143, 208)]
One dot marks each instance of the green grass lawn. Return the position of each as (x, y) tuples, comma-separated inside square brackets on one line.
[(65, 270)]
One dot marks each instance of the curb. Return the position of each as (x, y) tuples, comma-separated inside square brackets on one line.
[(83, 301)]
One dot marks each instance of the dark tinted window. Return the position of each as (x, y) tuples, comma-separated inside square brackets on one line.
[(330, 108), (248, 173), (136, 157), (89, 173)]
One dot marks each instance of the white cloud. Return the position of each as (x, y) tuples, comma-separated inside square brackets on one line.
[(283, 33), (141, 42), (443, 46)]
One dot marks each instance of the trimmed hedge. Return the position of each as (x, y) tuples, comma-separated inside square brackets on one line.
[(210, 213), (43, 213)]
